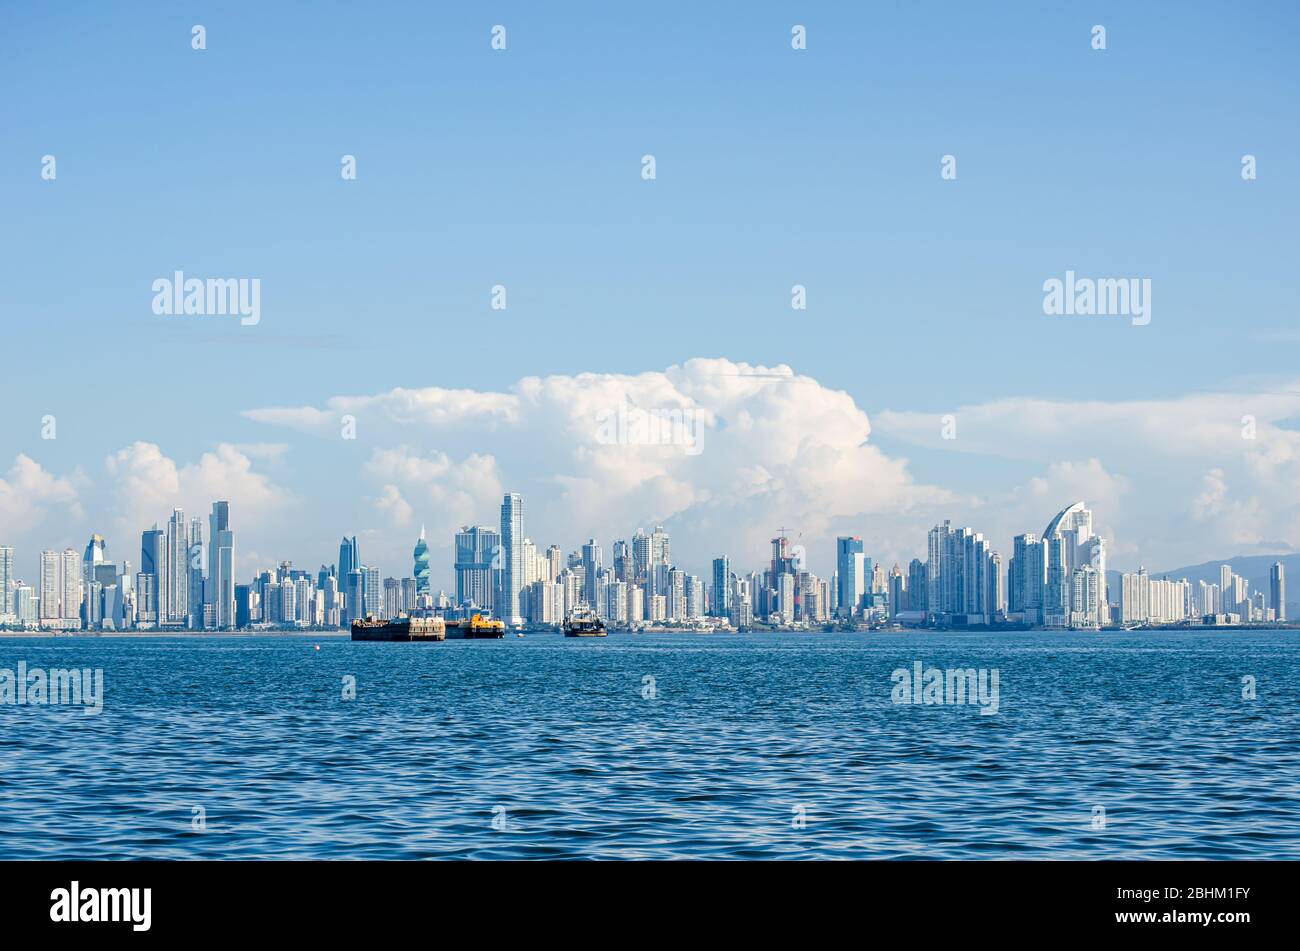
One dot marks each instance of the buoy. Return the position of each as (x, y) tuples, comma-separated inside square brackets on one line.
[(318, 647)]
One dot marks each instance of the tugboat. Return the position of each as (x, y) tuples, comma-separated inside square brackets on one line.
[(583, 622), (476, 628), (403, 628)]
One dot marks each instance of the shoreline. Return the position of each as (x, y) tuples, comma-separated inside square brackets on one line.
[(341, 633)]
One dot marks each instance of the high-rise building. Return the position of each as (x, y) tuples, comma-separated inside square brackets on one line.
[(8, 608), (720, 606), (850, 571), (26, 605), (512, 544), (220, 585), (1277, 590), (591, 565), (421, 555), (70, 582), (349, 561), (1086, 608), (153, 562), (1028, 577), (194, 575), (478, 564), (175, 590), (354, 589), (392, 597), (897, 591), (917, 592), (51, 586), (1080, 546), (372, 591), (623, 567)]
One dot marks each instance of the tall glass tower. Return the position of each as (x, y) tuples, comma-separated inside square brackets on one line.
[(421, 564), (512, 550)]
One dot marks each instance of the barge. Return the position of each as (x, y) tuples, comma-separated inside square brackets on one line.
[(475, 628), (402, 628)]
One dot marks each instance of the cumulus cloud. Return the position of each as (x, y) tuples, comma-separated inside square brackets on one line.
[(148, 484), (732, 453), (1167, 467), (430, 406), (434, 490), (31, 497), (744, 450)]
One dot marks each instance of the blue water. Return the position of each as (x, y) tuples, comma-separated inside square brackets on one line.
[(755, 746)]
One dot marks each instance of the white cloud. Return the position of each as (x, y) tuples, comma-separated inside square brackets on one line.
[(146, 485), (776, 448), (780, 449), (32, 497), (1171, 506)]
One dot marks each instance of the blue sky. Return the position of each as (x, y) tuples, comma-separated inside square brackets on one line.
[(775, 167)]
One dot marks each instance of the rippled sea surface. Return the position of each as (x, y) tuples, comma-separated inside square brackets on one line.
[(752, 746)]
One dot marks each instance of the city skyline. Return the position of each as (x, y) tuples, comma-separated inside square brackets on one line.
[(1057, 579)]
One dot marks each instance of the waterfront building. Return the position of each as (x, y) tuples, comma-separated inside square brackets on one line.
[(392, 597), (8, 607), (220, 584), (26, 605), (720, 599), (478, 565), (194, 576), (850, 565), (372, 591), (512, 545), (1277, 591), (591, 567)]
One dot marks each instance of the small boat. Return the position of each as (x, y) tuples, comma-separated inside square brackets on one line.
[(583, 622)]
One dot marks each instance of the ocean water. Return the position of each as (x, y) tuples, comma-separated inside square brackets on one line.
[(784, 746)]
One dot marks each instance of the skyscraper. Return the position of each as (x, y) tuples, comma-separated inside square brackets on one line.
[(476, 573), (721, 604), (8, 609), (372, 592), (622, 556), (591, 565), (421, 555), (1028, 577), (174, 592), (850, 572), (221, 570), (51, 586), (194, 576), (1277, 590), (349, 561), (1081, 546), (153, 560), (917, 591), (219, 589), (897, 591), (70, 581), (512, 544)]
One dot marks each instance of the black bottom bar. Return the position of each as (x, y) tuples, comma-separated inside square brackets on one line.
[(968, 901)]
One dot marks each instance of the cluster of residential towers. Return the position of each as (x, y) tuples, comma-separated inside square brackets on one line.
[(1054, 580)]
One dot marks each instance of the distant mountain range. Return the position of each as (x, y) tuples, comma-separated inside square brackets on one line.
[(1254, 568)]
